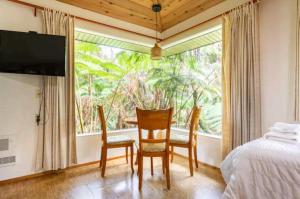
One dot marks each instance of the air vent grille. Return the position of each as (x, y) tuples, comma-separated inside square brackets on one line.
[(7, 160), (4, 144)]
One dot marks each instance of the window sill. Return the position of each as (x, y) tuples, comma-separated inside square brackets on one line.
[(199, 133), (109, 132), (131, 130)]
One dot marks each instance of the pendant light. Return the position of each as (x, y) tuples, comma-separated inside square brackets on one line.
[(156, 50)]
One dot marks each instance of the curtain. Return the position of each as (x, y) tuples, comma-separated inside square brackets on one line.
[(297, 70), (57, 136), (241, 121)]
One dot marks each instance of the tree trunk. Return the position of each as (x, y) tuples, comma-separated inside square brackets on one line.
[(79, 108), (91, 102), (195, 95), (119, 121)]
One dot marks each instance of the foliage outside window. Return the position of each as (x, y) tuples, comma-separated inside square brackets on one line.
[(121, 80)]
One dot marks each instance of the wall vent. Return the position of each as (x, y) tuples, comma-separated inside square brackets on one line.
[(4, 143), (7, 150), (5, 161)]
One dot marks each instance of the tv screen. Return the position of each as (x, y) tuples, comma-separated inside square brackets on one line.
[(32, 53)]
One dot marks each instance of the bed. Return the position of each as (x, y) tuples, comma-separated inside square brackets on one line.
[(262, 169)]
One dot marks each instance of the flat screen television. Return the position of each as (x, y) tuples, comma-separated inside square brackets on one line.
[(32, 53)]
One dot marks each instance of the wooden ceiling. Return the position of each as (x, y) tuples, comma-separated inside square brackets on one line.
[(140, 12)]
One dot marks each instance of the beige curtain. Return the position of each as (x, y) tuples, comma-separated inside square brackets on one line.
[(241, 121), (297, 70), (57, 137)]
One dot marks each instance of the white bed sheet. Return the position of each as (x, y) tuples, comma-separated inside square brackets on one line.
[(262, 169)]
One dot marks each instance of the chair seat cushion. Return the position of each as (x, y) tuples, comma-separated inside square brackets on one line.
[(119, 139), (154, 147), (179, 138)]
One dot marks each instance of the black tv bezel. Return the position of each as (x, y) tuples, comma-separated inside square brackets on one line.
[(38, 73)]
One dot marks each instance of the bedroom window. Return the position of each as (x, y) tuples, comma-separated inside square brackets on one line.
[(121, 79)]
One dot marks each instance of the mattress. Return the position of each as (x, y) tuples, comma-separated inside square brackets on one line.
[(262, 169)]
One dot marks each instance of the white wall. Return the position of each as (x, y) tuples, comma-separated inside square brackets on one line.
[(18, 101), (19, 104), (277, 48), (18, 93), (88, 146), (209, 147)]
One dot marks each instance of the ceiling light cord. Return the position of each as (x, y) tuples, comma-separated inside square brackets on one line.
[(156, 50), (156, 27)]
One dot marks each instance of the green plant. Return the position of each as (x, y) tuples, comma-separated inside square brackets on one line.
[(123, 80)]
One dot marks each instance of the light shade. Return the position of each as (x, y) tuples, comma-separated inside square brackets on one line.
[(156, 52)]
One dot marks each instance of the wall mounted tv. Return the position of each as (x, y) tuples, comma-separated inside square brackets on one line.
[(32, 53)]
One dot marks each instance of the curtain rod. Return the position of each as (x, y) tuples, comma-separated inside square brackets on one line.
[(136, 33), (36, 7), (208, 20)]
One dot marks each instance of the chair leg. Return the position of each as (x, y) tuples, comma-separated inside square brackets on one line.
[(140, 172), (195, 156), (172, 153), (137, 158), (131, 158), (152, 172), (101, 157), (191, 161), (137, 162), (104, 157), (167, 170), (126, 149)]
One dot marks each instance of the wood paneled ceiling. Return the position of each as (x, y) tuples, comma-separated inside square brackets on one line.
[(140, 12)]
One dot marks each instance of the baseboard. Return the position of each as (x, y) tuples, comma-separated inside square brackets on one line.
[(40, 174), (82, 165), (27, 177), (199, 162), (36, 175)]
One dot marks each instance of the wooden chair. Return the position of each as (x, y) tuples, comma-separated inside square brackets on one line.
[(150, 146), (189, 140), (109, 142)]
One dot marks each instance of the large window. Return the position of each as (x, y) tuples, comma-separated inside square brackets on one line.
[(121, 80)]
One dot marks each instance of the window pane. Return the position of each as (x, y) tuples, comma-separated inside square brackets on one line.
[(120, 80)]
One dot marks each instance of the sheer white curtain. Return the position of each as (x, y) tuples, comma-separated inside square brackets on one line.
[(57, 137), (297, 70), (241, 120)]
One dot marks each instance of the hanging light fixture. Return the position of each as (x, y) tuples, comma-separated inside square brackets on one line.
[(156, 50)]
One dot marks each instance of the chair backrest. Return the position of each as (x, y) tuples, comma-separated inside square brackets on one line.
[(194, 122), (103, 124), (152, 120)]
